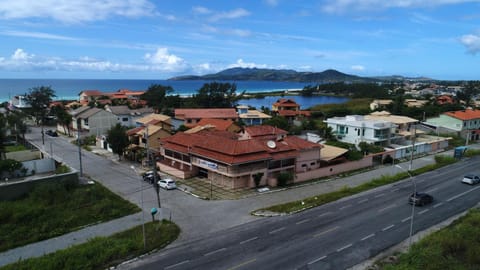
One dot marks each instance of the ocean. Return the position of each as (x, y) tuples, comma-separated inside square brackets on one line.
[(68, 89)]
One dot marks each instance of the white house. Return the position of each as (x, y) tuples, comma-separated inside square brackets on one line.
[(355, 129), (128, 117)]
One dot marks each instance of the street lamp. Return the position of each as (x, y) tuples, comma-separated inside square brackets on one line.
[(143, 213), (413, 204)]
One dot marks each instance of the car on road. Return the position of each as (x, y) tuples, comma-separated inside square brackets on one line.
[(471, 179), (167, 183), (420, 199), (51, 133), (149, 177)]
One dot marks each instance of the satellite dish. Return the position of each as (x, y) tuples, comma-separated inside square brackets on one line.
[(271, 144)]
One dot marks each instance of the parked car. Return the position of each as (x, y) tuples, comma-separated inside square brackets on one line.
[(148, 177), (51, 133), (471, 179), (167, 183), (420, 199)]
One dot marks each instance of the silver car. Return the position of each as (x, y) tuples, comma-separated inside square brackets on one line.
[(167, 183), (471, 179)]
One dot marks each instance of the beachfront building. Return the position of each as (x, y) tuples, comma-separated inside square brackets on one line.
[(123, 96), (289, 109), (251, 117), (355, 129), (191, 117), (18, 103)]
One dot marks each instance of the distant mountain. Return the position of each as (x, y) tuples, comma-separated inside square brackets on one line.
[(261, 74)]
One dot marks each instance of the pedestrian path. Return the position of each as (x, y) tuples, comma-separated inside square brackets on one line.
[(124, 223)]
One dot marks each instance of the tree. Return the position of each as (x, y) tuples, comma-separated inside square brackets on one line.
[(63, 118), (117, 139), (217, 95), (39, 98), (3, 135), (156, 96), (277, 121)]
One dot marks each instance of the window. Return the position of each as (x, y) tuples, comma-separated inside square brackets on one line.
[(125, 119), (85, 121)]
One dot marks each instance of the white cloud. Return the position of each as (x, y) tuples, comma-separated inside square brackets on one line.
[(163, 60), (232, 14), (471, 42), (201, 10), (241, 63), (39, 35), (75, 11), (358, 67), (21, 55), (343, 6)]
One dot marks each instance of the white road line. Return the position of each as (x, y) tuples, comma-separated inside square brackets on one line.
[(387, 207), (388, 228), (346, 206), (277, 230), (344, 247), (324, 214), (431, 190), (395, 189), (379, 195), (368, 236), (423, 211), (249, 240), (215, 251), (303, 221), (362, 201), (316, 260), (461, 194), (177, 264), (405, 219), (327, 231), (437, 205)]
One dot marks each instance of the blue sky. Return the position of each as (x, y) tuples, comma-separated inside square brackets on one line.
[(146, 39)]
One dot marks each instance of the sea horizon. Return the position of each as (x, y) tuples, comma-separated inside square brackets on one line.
[(69, 89)]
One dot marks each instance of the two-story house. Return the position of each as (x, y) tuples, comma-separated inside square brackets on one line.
[(355, 129), (289, 109), (92, 121), (465, 123), (251, 117), (128, 117)]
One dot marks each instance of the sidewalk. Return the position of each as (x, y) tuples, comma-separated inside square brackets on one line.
[(243, 205)]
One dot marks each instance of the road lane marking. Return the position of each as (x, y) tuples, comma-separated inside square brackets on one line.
[(316, 260), (387, 207), (368, 236), (344, 247), (395, 189), (215, 251), (362, 201), (242, 264), (326, 231), (423, 211), (405, 219), (388, 228), (303, 221), (431, 190), (437, 205), (461, 194), (379, 195), (277, 230), (249, 240), (346, 206), (324, 214), (177, 264)]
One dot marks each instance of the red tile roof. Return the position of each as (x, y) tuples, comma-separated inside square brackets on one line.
[(264, 130), (283, 102), (465, 114), (222, 113), (220, 124), (91, 92)]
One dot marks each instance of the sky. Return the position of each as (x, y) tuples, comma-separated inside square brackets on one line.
[(147, 39)]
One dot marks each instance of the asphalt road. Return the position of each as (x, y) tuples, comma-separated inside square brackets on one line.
[(334, 236)]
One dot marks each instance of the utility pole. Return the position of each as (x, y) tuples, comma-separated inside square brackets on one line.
[(413, 147), (79, 146)]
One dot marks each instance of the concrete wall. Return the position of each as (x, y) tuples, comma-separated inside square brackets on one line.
[(23, 155), (14, 190), (335, 169), (40, 165)]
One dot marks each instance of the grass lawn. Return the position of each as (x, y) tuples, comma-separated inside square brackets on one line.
[(103, 252), (320, 199), (57, 208), (15, 148), (454, 247)]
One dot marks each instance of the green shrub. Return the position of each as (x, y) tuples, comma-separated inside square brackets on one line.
[(284, 178)]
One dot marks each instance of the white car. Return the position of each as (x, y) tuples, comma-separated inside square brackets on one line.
[(471, 179), (167, 183)]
